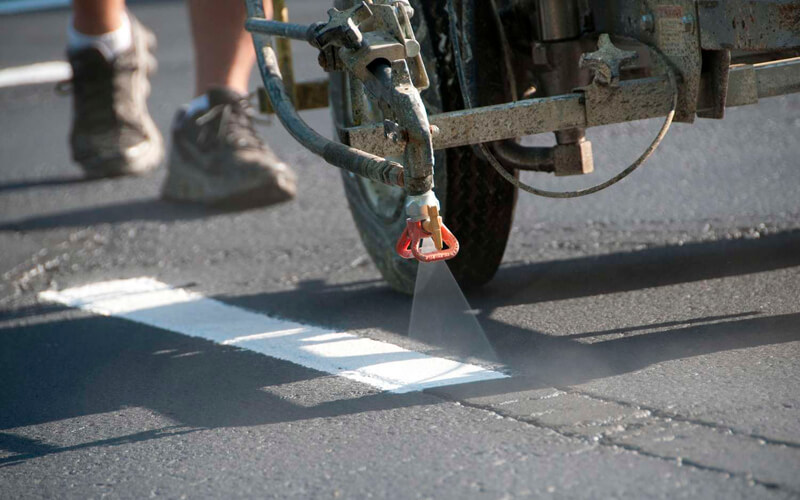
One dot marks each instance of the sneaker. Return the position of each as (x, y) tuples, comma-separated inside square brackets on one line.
[(217, 158), (112, 132)]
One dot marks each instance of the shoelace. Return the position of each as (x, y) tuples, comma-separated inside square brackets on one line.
[(235, 125)]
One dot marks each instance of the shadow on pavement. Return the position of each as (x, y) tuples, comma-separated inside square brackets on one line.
[(371, 304), (564, 360), (76, 367), (139, 210), (46, 182)]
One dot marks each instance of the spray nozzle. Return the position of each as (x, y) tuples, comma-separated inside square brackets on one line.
[(410, 243)]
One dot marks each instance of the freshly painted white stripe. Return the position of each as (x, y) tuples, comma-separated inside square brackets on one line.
[(380, 364), (46, 72), (20, 6)]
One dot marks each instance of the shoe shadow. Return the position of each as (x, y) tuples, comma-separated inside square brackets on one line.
[(45, 182), (152, 210)]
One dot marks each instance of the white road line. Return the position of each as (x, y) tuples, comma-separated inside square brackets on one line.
[(20, 6), (45, 72), (380, 364)]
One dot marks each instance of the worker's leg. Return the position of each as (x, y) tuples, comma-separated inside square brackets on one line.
[(217, 156), (223, 50), (96, 17)]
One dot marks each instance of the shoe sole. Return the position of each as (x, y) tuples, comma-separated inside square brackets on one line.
[(185, 184)]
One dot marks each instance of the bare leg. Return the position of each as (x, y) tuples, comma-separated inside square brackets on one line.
[(95, 17), (224, 54)]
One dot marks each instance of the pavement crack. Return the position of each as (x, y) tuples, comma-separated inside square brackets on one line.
[(612, 443), (658, 413)]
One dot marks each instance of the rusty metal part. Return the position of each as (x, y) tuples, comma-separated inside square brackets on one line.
[(631, 100), (396, 87), (280, 29), (358, 105), (750, 82), (385, 35), (515, 156), (607, 61), (669, 35), (558, 71), (348, 158), (557, 19), (307, 95), (714, 88), (573, 158), (377, 46), (742, 86), (342, 29), (749, 24), (454, 34)]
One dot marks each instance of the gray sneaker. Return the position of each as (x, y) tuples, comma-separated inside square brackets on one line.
[(112, 132), (217, 158)]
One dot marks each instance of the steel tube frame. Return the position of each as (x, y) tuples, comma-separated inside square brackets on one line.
[(339, 155), (747, 83), (302, 32)]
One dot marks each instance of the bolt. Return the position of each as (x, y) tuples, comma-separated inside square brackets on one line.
[(688, 23), (434, 130), (394, 133), (647, 23), (412, 48)]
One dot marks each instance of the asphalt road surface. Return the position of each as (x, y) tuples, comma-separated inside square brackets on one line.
[(651, 332)]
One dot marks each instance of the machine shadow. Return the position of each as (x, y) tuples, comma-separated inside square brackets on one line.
[(371, 304), (537, 359), (108, 364)]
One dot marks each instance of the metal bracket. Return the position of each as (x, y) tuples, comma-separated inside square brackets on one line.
[(607, 61)]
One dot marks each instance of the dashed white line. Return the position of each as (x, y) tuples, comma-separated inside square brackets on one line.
[(379, 364), (20, 6), (45, 72)]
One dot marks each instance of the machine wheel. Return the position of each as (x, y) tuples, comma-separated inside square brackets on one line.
[(477, 203)]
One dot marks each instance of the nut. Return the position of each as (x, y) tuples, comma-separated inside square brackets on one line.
[(573, 159)]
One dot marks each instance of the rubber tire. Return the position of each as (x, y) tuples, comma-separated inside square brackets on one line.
[(477, 203)]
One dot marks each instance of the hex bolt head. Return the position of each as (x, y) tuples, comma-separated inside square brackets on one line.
[(688, 23), (647, 23), (412, 48)]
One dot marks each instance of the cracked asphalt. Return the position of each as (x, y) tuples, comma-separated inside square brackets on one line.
[(651, 331)]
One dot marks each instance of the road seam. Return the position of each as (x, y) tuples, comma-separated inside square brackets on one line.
[(674, 416), (604, 441), (21, 6)]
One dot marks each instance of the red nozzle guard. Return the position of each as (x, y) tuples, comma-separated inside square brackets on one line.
[(408, 246)]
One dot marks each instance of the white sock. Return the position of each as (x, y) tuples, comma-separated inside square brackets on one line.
[(198, 105), (111, 44)]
